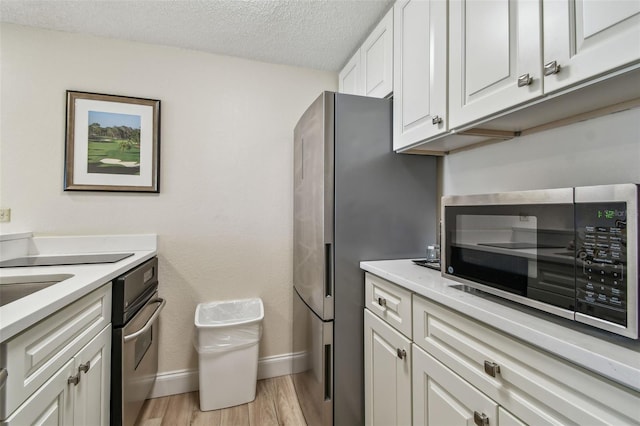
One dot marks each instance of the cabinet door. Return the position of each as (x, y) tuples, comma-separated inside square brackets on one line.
[(376, 58), (51, 404), (349, 77), (587, 38), (495, 57), (419, 71), (92, 392), (387, 374), (441, 397)]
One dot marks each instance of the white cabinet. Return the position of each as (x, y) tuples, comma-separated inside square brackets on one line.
[(387, 381), (77, 394), (506, 56), (45, 360), (92, 392), (387, 353), (369, 72), (529, 385), (495, 56), (349, 77), (376, 58), (419, 71), (587, 38), (453, 370), (440, 397)]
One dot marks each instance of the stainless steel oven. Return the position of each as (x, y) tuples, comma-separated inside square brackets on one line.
[(572, 252), (134, 358)]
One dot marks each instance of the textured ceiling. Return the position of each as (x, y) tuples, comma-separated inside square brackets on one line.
[(319, 34)]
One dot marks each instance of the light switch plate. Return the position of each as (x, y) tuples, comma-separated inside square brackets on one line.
[(5, 215)]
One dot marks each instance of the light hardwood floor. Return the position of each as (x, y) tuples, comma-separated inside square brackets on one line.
[(276, 404)]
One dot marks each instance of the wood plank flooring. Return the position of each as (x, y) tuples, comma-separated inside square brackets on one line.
[(276, 404)]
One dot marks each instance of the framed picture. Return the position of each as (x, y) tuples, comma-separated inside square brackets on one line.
[(112, 143)]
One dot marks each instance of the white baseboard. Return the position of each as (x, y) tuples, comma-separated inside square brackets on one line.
[(182, 381)]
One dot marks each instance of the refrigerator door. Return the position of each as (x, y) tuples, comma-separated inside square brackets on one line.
[(313, 364), (313, 206)]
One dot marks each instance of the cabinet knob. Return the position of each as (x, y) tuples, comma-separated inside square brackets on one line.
[(402, 354), (551, 68), (491, 368), (524, 80), (382, 302), (436, 120), (74, 380), (480, 419), (84, 367)]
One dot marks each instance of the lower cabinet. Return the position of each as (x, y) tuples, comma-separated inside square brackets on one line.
[(387, 366), (77, 394), (59, 369), (441, 397), (449, 369)]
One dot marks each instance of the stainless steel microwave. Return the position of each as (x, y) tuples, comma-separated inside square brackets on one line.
[(572, 252)]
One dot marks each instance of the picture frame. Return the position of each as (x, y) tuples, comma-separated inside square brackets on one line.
[(112, 143)]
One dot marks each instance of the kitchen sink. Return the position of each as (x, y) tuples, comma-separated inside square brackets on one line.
[(17, 287)]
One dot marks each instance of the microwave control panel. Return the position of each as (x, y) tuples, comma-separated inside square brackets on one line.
[(601, 249)]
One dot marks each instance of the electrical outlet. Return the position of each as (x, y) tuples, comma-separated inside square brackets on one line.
[(5, 215)]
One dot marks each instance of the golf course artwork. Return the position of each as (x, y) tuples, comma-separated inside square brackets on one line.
[(113, 143)]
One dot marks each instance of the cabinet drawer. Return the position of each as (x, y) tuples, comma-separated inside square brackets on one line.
[(535, 386), (389, 302), (33, 356)]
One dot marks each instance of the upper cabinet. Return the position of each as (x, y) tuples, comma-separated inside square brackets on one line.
[(583, 39), (517, 67), (370, 71), (495, 56), (376, 56), (419, 70), (349, 77)]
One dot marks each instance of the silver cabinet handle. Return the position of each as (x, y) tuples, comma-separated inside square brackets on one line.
[(74, 380), (3, 377), (84, 367), (382, 302), (148, 324), (436, 120), (402, 354), (551, 68), (491, 368), (480, 419), (524, 80)]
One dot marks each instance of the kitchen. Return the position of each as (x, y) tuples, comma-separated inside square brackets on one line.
[(225, 211)]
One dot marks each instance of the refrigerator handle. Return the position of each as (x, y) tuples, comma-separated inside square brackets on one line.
[(328, 270), (328, 372)]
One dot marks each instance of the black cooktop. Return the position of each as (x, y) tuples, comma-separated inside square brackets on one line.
[(77, 259)]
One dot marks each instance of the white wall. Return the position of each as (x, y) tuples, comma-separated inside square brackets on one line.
[(600, 151), (224, 213)]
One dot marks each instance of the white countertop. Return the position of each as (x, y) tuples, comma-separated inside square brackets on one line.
[(615, 357), (22, 313)]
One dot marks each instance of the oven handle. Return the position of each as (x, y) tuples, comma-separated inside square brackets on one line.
[(150, 321)]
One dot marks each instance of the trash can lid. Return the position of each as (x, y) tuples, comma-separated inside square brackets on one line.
[(229, 312)]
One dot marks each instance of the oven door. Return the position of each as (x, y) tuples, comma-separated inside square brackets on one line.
[(139, 351), (520, 246)]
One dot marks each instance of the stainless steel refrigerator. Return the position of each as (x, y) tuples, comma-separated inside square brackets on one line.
[(354, 199)]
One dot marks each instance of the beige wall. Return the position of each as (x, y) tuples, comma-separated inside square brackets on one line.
[(224, 213)]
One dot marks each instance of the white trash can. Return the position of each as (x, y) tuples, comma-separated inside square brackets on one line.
[(227, 338)]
